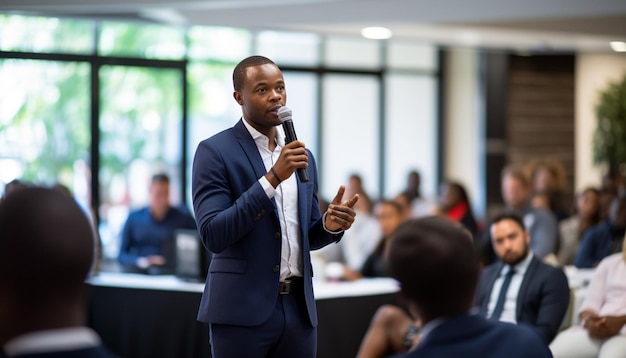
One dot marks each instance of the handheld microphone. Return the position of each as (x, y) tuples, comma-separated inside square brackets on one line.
[(284, 113)]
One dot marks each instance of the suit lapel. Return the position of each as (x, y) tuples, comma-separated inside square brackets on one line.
[(530, 272), (492, 281), (249, 147)]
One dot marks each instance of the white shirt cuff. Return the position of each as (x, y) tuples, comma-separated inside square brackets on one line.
[(324, 224), (269, 190)]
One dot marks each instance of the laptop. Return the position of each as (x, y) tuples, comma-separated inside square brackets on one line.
[(192, 259)]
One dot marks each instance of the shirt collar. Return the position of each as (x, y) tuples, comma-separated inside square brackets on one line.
[(262, 138), (54, 340), (520, 267)]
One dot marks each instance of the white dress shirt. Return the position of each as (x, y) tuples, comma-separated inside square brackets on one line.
[(286, 197), (510, 303)]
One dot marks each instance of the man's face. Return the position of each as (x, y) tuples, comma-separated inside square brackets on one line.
[(261, 95), (510, 242), (160, 196), (389, 218), (514, 192)]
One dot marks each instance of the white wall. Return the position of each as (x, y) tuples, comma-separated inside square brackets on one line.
[(464, 130), (593, 73)]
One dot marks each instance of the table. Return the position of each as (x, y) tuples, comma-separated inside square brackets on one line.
[(155, 316)]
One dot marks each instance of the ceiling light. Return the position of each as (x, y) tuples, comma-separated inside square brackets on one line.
[(618, 46), (376, 33)]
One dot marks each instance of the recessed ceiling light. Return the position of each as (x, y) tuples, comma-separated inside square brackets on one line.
[(618, 46), (376, 33)]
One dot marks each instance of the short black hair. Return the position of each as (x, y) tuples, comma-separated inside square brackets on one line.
[(436, 264), (508, 216), (239, 73), (160, 178)]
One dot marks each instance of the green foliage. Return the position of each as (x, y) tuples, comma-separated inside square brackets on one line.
[(609, 141)]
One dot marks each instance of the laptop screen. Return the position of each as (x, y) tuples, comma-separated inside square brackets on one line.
[(191, 256)]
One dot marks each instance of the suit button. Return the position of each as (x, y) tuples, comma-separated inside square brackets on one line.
[(277, 235), (276, 268), (263, 211), (257, 217)]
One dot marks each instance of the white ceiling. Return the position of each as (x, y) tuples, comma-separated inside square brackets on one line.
[(525, 25)]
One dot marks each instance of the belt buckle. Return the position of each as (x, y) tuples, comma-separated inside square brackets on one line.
[(285, 287)]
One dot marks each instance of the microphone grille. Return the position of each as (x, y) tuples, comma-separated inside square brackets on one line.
[(284, 113)]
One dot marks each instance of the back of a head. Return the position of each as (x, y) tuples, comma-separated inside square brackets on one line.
[(46, 245), (436, 264)]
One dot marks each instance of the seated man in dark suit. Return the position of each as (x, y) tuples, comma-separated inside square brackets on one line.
[(46, 252), (437, 267), (147, 237), (532, 292)]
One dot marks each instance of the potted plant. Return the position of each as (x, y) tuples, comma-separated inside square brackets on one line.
[(609, 140)]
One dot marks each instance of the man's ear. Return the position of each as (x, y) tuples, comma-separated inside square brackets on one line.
[(237, 96)]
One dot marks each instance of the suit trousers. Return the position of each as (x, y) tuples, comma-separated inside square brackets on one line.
[(576, 343), (286, 334)]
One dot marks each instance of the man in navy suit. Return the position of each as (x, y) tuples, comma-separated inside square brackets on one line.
[(46, 252), (437, 267), (536, 294), (260, 222)]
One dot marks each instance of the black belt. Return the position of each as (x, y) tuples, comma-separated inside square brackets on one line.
[(290, 285)]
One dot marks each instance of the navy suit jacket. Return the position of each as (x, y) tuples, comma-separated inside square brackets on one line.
[(239, 224), (594, 245), (472, 336), (542, 300)]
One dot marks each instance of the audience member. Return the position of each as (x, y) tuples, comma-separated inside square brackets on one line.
[(46, 251), (391, 331), (149, 230), (602, 331), (357, 243), (608, 192), (414, 181), (614, 178), (541, 223), (13, 186), (605, 238), (389, 215), (456, 206), (521, 288), (91, 216), (437, 268), (355, 186), (548, 178), (420, 205), (571, 230), (405, 202)]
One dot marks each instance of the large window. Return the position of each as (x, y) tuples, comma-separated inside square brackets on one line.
[(141, 40), (46, 34), (44, 124), (350, 136), (140, 135), (212, 106)]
